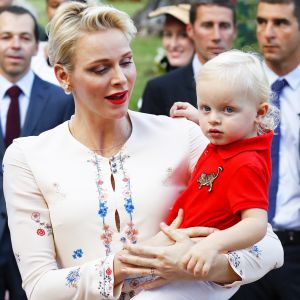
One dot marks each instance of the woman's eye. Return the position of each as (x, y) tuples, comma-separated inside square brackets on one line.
[(100, 71), (127, 62), (183, 35), (167, 34)]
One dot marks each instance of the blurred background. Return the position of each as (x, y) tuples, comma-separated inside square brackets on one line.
[(147, 44)]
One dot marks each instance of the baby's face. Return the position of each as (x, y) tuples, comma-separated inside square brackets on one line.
[(223, 116)]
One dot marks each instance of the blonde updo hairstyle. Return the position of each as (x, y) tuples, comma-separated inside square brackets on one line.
[(73, 19), (243, 74)]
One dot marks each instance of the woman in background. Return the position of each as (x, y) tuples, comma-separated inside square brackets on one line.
[(178, 47)]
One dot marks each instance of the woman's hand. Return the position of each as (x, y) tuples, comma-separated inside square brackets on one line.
[(159, 261), (184, 110), (119, 267), (164, 263), (161, 239)]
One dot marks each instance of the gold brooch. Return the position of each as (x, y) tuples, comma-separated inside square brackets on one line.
[(208, 179)]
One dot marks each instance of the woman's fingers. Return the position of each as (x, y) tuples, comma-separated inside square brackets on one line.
[(198, 231), (173, 234), (143, 250), (137, 261), (178, 220)]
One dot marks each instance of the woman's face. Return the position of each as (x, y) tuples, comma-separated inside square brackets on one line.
[(103, 74), (179, 47)]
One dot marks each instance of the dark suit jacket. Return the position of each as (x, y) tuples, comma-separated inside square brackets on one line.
[(163, 91), (48, 107)]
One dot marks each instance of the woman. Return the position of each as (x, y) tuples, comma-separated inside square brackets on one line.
[(76, 194), (178, 47)]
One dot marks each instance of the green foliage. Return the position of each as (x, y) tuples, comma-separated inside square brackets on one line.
[(144, 49), (246, 12), (40, 6), (130, 7)]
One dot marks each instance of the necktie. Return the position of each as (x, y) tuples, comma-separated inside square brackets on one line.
[(13, 127), (276, 89)]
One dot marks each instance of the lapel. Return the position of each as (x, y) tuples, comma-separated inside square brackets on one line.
[(37, 103), (188, 81)]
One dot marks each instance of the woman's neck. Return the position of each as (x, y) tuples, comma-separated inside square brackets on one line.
[(105, 137)]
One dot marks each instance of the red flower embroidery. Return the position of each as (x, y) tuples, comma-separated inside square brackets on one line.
[(40, 232), (108, 271)]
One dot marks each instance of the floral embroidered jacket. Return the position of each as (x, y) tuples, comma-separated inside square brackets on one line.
[(67, 220)]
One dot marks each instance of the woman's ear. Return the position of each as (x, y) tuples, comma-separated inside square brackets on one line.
[(63, 77)]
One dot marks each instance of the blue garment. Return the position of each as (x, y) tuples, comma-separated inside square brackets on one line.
[(276, 89)]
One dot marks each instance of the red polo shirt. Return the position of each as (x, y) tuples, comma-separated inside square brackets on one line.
[(226, 180)]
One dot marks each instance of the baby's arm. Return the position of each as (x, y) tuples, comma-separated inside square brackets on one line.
[(196, 233), (184, 110), (251, 229)]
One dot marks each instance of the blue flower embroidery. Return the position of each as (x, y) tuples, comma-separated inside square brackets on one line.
[(255, 250), (129, 206), (77, 253), (102, 210), (234, 258), (73, 278)]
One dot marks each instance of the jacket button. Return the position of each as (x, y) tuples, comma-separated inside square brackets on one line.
[(3, 215)]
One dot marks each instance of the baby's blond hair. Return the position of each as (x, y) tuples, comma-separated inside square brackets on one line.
[(243, 73)]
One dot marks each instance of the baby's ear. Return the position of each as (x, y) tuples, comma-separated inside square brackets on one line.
[(262, 110)]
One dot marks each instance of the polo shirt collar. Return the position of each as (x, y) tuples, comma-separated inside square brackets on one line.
[(257, 143)]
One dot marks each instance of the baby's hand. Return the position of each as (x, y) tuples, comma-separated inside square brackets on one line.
[(184, 110), (200, 258)]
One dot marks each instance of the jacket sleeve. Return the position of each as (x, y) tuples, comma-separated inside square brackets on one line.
[(34, 244), (255, 262)]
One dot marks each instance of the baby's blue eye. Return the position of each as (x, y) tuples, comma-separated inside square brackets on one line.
[(228, 109), (206, 108)]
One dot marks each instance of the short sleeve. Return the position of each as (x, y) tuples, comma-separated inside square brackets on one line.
[(248, 189)]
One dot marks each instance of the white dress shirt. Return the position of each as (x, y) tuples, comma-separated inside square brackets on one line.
[(287, 214), (39, 65), (25, 84), (196, 65)]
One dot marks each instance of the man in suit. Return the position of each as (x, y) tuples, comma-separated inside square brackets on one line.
[(278, 34), (35, 107), (213, 29)]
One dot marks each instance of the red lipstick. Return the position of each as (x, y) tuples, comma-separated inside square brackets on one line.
[(118, 98)]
